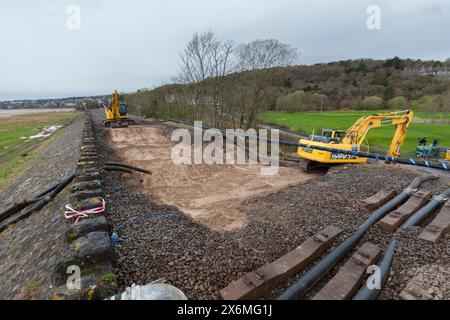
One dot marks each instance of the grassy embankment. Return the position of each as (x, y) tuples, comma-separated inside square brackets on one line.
[(380, 138), (13, 145)]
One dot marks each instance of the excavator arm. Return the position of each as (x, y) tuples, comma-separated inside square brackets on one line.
[(357, 133)]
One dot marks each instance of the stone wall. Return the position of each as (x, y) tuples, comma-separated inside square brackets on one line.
[(90, 252)]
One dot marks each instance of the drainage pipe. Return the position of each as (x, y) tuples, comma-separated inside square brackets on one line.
[(128, 166), (384, 263), (41, 203), (121, 169), (16, 207), (312, 276), (425, 211)]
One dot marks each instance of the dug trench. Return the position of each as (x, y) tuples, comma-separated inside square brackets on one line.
[(202, 227)]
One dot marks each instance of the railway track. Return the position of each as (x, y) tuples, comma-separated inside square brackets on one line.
[(348, 282), (405, 210)]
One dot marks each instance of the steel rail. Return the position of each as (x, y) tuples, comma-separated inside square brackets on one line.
[(317, 272)]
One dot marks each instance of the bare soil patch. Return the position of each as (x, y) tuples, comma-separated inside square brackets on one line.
[(211, 194)]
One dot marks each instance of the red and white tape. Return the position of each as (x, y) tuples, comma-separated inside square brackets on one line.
[(76, 215)]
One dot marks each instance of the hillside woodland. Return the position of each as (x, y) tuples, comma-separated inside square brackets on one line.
[(223, 83)]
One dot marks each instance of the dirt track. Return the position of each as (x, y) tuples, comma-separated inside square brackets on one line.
[(210, 194)]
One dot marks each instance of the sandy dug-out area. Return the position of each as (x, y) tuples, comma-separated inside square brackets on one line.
[(210, 194)]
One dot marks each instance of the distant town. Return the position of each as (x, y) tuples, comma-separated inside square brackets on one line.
[(72, 102)]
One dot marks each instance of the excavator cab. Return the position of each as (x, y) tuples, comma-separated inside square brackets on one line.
[(123, 109), (328, 136), (334, 135)]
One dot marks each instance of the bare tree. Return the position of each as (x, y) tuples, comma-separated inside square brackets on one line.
[(446, 108), (221, 66), (215, 93), (205, 63), (256, 64)]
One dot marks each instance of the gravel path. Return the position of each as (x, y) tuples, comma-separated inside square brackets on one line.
[(30, 248), (159, 241)]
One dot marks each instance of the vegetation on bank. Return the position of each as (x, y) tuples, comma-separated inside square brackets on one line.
[(378, 138), (12, 143), (223, 83)]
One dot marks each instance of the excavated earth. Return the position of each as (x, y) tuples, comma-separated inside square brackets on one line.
[(211, 194), (201, 228)]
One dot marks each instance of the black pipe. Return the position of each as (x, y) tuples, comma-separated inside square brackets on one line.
[(376, 156), (119, 164), (41, 203), (51, 188), (426, 210), (312, 276), (121, 169), (384, 263), (16, 207)]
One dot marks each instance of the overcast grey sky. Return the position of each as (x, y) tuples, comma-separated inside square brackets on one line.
[(127, 45)]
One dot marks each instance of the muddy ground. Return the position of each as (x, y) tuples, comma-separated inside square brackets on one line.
[(158, 240)]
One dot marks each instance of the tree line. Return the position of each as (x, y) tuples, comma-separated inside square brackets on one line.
[(227, 84)]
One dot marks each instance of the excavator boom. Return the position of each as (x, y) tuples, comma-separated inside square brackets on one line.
[(353, 139), (357, 133)]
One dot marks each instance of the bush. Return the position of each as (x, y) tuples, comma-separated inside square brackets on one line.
[(397, 103), (373, 102), (291, 102)]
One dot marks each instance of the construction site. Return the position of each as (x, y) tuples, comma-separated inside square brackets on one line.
[(148, 160), (224, 231)]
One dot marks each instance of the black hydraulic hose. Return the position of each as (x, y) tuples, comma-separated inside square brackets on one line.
[(16, 207), (119, 164), (317, 272), (384, 263), (426, 210), (41, 203), (376, 156)]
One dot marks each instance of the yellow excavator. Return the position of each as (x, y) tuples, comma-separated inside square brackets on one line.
[(352, 139), (116, 113)]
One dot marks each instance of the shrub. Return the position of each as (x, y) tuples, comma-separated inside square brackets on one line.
[(397, 103), (373, 102)]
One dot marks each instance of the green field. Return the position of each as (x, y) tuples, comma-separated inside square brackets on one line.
[(12, 145), (379, 138)]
